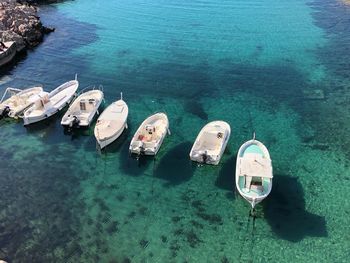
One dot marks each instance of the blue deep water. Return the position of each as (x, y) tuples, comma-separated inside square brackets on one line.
[(277, 68)]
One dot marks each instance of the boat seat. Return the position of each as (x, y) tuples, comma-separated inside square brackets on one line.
[(82, 104), (148, 144), (248, 181)]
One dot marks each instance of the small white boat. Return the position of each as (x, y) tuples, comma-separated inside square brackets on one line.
[(51, 103), (211, 142), (18, 101), (150, 135), (83, 109), (111, 123), (253, 172), (7, 52)]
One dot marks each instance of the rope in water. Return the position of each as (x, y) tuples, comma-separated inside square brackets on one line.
[(246, 237)]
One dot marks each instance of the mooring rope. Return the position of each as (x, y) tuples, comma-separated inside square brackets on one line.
[(253, 238), (245, 236)]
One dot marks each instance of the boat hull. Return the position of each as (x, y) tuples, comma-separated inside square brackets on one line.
[(83, 122), (253, 197), (148, 151), (197, 155), (27, 120), (19, 102), (103, 143), (8, 55), (34, 119), (62, 96), (111, 123), (150, 147)]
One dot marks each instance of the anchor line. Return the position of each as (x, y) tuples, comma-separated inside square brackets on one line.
[(253, 237), (153, 173), (151, 204), (244, 239), (105, 165)]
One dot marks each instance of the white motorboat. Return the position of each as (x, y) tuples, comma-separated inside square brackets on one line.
[(18, 101), (253, 172), (83, 109), (111, 123), (150, 135), (7, 52), (51, 103), (211, 142)]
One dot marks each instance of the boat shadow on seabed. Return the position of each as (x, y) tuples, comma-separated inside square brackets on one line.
[(175, 167), (284, 210)]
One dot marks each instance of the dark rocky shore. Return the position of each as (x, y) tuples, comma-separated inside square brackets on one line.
[(20, 22)]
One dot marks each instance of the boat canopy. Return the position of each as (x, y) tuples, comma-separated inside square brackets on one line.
[(255, 165)]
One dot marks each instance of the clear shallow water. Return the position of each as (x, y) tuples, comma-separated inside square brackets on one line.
[(251, 64)]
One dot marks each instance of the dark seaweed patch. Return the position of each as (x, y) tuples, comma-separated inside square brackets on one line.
[(142, 210), (120, 197), (198, 204), (113, 186), (105, 250), (144, 243), (197, 224), (101, 204), (99, 227), (174, 247), (176, 219), (178, 232), (211, 218), (164, 239), (126, 260), (132, 214), (192, 238), (90, 221), (112, 227)]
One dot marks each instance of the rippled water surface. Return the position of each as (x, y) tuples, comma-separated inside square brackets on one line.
[(256, 64)]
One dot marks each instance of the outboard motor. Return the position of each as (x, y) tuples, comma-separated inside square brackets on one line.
[(142, 152), (74, 123), (205, 157), (5, 112)]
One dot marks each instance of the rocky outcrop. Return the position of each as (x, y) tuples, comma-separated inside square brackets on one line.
[(19, 22)]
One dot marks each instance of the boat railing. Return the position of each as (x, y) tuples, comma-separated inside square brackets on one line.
[(100, 87), (91, 87), (8, 90)]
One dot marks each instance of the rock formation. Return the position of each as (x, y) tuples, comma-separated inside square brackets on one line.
[(19, 22)]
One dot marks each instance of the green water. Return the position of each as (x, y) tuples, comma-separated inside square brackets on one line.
[(250, 63)]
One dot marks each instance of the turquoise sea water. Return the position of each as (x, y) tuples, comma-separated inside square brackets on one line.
[(255, 64)]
